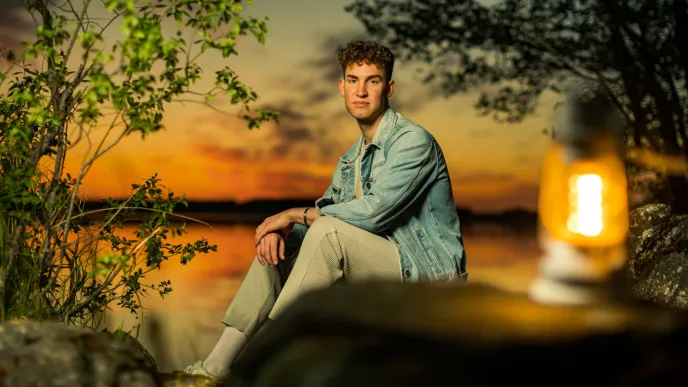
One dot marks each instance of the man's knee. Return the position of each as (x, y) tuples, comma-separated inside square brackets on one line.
[(325, 225), (318, 235), (256, 265), (263, 271)]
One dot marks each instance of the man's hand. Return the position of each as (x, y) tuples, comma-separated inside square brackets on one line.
[(281, 222), (270, 249)]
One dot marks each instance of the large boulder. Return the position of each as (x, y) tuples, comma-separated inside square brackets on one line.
[(55, 355), (135, 344), (180, 379), (169, 379), (658, 256), (409, 335)]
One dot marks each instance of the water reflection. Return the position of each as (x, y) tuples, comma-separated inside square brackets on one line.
[(188, 319)]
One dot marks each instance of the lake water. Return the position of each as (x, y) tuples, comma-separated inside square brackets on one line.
[(186, 322)]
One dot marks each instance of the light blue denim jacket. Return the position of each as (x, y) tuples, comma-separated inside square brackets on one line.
[(407, 198)]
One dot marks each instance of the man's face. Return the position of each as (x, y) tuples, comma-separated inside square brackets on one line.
[(365, 91)]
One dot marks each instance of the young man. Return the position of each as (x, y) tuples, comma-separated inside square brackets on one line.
[(388, 214)]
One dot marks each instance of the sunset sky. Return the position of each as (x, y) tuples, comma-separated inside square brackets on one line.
[(210, 156)]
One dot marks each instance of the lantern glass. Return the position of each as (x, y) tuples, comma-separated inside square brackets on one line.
[(584, 202)]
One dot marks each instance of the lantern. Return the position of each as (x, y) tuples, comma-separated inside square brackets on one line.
[(583, 202)]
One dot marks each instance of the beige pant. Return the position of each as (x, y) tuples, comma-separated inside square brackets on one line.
[(331, 250)]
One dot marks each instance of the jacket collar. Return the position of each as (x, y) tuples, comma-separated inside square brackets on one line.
[(384, 129)]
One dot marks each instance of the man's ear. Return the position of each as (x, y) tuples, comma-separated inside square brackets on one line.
[(390, 88), (341, 86)]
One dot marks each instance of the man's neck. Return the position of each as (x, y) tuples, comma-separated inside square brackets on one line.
[(368, 129)]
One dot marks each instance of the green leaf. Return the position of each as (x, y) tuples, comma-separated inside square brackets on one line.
[(44, 109)]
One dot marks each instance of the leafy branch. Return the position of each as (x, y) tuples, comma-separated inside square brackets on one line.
[(57, 261)]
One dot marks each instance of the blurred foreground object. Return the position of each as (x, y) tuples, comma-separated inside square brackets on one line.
[(370, 335), (583, 203)]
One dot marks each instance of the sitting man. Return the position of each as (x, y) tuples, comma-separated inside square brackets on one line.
[(389, 214)]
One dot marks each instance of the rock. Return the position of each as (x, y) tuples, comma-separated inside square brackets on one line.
[(51, 354), (369, 335), (646, 225), (658, 256), (667, 281), (128, 338), (648, 216), (180, 379)]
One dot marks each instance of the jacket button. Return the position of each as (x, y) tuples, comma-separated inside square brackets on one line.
[(408, 273), (368, 185)]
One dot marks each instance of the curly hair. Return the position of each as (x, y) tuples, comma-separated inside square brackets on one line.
[(371, 52)]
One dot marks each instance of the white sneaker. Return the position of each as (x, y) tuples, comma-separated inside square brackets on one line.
[(197, 369)]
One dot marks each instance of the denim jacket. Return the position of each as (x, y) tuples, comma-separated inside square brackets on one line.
[(407, 198)]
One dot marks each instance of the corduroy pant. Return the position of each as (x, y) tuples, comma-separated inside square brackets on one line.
[(330, 251)]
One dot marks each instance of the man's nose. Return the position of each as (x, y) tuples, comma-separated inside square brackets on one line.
[(361, 90)]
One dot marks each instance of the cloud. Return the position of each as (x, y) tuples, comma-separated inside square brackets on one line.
[(223, 153), (327, 63), (522, 196), (300, 136), (481, 133), (482, 178), (13, 27), (316, 97), (526, 159), (319, 88), (311, 121), (488, 191), (291, 126), (286, 111), (293, 183), (410, 97), (298, 130)]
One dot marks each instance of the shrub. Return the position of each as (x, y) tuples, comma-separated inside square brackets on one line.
[(57, 261)]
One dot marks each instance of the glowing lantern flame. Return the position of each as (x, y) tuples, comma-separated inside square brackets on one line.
[(585, 203)]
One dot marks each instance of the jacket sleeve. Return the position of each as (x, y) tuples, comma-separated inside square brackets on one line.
[(409, 169), (331, 194)]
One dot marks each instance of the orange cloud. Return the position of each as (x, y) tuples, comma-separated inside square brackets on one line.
[(246, 166), (488, 191)]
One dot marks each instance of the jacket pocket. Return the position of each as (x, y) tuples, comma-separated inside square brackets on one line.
[(430, 254), (336, 193)]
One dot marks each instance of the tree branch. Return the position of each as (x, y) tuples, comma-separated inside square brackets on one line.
[(88, 299)]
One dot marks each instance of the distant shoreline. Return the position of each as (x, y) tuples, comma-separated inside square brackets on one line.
[(255, 211)]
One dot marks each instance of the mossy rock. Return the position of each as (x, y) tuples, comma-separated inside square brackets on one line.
[(51, 354)]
